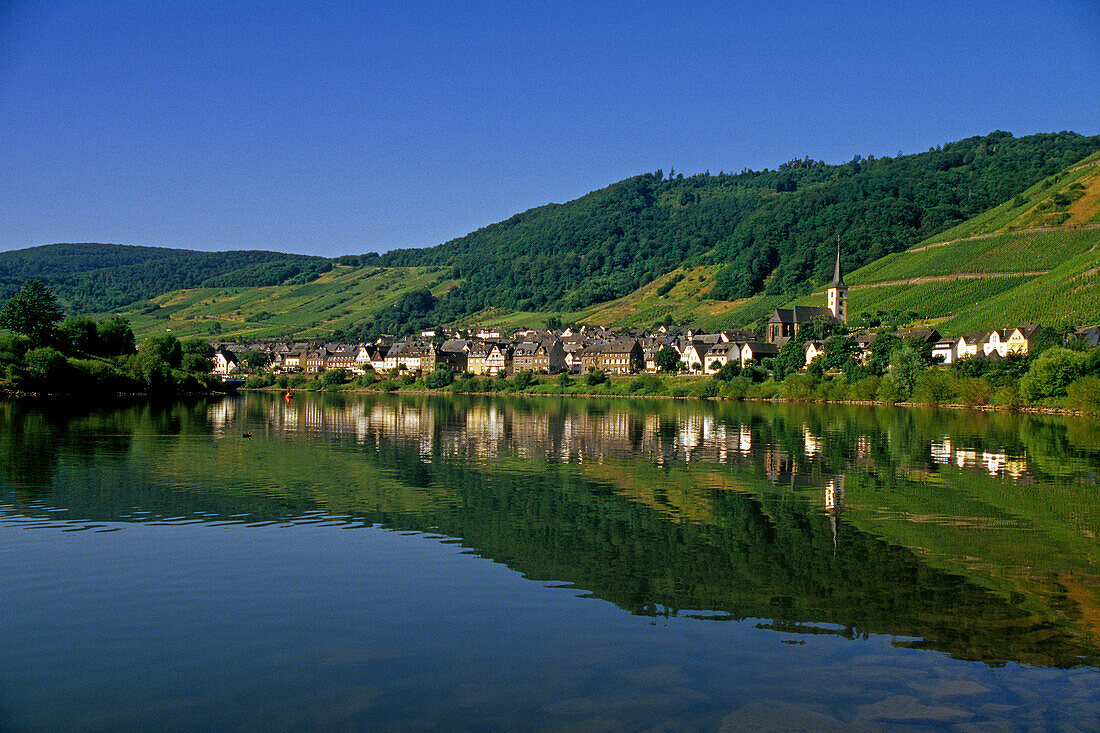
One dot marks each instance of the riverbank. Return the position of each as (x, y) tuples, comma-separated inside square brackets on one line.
[(1044, 409)]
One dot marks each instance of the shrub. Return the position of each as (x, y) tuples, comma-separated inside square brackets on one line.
[(1051, 373), (1084, 394), (736, 388), (973, 392), (865, 389), (934, 387), (647, 384), (705, 389), (836, 390), (798, 386), (388, 385), (525, 379), (440, 378), (594, 377), (333, 378), (1009, 396), (888, 390)]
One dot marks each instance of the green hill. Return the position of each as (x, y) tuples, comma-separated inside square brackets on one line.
[(712, 250)]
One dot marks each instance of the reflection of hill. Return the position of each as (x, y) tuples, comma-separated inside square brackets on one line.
[(658, 508)]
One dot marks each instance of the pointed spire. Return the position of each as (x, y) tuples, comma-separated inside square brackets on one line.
[(838, 281)]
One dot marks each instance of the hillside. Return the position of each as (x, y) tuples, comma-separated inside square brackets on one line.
[(712, 250), (102, 277), (1000, 267)]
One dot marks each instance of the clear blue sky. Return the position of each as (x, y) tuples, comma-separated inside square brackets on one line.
[(342, 128)]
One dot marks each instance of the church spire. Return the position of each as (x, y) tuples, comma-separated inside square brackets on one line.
[(838, 281)]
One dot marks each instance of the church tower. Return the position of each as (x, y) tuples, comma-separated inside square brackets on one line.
[(838, 293)]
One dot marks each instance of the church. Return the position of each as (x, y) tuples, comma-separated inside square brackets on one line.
[(786, 322)]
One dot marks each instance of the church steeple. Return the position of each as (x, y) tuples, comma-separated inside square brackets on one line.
[(838, 291), (838, 281)]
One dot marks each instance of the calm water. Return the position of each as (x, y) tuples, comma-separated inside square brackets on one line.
[(423, 563)]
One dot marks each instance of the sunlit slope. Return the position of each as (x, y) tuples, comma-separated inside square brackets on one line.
[(1006, 266), (313, 310)]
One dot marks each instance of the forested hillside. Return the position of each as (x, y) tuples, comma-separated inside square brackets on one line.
[(101, 277), (772, 230)]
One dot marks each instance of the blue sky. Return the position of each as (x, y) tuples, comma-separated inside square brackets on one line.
[(342, 128)]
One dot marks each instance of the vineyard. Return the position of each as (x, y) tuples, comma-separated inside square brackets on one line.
[(1021, 252)]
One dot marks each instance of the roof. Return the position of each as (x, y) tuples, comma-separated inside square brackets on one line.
[(838, 281), (763, 349), (799, 314)]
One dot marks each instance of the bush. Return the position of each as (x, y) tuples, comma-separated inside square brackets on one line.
[(973, 392), (1051, 373), (388, 385), (836, 390), (798, 386), (259, 381), (647, 384), (1009, 396), (705, 389), (865, 390), (1084, 394), (934, 387), (766, 390), (594, 377), (525, 379), (888, 391), (736, 388), (440, 378), (333, 378)]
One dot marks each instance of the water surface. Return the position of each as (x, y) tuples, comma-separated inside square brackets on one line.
[(423, 562)]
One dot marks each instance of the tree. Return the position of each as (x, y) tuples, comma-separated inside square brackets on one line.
[(166, 348), (881, 349), (197, 355), (906, 367), (79, 334), (791, 358), (667, 359), (440, 378), (256, 358), (115, 337), (838, 353), (33, 312), (1051, 373), (47, 368), (594, 377), (335, 377), (525, 379)]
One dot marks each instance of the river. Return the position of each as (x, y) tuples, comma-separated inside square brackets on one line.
[(430, 562)]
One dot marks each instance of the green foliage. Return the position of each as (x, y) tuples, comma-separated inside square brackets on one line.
[(79, 335), (648, 384), (116, 337), (524, 379), (906, 366), (333, 378), (791, 359), (441, 377), (196, 356), (705, 388), (667, 360), (103, 277), (1051, 373), (974, 391), (934, 387), (45, 366), (165, 348), (564, 380), (1084, 394), (255, 358), (33, 312), (595, 377)]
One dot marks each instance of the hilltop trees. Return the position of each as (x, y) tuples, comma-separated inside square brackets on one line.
[(33, 312)]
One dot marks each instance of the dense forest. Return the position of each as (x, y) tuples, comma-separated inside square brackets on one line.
[(90, 278), (771, 230)]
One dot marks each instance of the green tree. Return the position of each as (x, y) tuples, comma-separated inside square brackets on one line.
[(791, 359), (334, 378), (525, 379), (667, 359), (197, 355), (46, 369), (838, 354), (594, 377), (881, 349), (906, 367), (256, 358), (1051, 373), (33, 312), (440, 378), (115, 337), (79, 335), (165, 347)]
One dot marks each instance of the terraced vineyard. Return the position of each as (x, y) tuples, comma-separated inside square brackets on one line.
[(313, 310)]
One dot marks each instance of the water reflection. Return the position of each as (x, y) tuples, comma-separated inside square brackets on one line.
[(972, 534)]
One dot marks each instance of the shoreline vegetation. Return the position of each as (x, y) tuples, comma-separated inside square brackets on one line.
[(41, 354), (936, 390)]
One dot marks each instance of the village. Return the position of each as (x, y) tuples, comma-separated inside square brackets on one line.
[(491, 351)]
